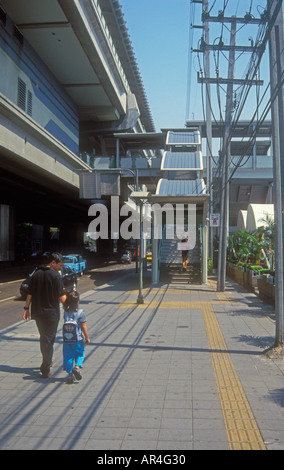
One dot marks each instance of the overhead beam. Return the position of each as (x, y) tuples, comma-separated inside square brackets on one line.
[(53, 24), (226, 81), (223, 47), (224, 19)]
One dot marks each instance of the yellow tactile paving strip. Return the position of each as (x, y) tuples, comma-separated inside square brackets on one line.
[(169, 304), (242, 430), (241, 427)]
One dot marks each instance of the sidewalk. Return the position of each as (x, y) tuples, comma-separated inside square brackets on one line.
[(183, 371)]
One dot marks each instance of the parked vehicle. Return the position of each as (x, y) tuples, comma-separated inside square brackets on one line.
[(69, 278), (132, 249), (126, 257), (75, 262), (149, 256)]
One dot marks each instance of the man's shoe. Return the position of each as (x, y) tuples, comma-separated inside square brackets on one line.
[(46, 375), (77, 373)]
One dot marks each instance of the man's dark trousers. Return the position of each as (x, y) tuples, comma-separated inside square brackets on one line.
[(47, 330)]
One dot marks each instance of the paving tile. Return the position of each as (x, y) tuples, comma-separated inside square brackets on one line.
[(149, 380)]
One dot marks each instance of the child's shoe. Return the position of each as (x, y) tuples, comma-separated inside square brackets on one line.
[(77, 373), (70, 379)]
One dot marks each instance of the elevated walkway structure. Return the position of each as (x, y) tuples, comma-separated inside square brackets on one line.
[(182, 187), (251, 165)]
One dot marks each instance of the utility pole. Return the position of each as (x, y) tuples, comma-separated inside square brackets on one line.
[(230, 81), (276, 58), (208, 134), (226, 156)]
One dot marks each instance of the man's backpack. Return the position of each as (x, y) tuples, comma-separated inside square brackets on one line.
[(70, 330)]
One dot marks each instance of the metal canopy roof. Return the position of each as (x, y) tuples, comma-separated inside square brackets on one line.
[(183, 138), (182, 161), (181, 188), (181, 192)]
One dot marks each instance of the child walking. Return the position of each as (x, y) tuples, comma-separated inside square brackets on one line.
[(75, 336)]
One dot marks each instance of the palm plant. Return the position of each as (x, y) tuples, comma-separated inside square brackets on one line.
[(268, 231), (245, 247), (240, 246)]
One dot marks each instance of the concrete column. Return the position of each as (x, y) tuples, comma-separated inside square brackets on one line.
[(7, 233)]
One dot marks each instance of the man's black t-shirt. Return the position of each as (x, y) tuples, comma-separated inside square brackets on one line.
[(46, 287)]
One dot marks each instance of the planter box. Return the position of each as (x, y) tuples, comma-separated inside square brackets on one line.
[(247, 279), (250, 279), (235, 273), (266, 291), (251, 282)]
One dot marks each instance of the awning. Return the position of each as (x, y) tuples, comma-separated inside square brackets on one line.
[(181, 188), (182, 161), (183, 138)]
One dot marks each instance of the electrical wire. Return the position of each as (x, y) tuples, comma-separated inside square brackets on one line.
[(274, 95), (253, 70), (251, 73), (189, 58), (234, 123)]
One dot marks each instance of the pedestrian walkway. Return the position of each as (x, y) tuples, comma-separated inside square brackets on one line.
[(183, 371)]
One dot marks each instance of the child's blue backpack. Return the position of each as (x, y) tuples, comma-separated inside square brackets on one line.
[(71, 331)]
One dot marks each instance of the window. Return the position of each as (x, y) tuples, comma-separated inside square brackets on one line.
[(21, 94), (30, 103), (25, 99)]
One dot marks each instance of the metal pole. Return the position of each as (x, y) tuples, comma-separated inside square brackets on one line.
[(136, 243), (204, 253), (224, 225), (155, 253), (140, 299), (117, 154), (276, 58)]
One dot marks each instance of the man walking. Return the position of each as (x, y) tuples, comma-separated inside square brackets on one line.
[(45, 293)]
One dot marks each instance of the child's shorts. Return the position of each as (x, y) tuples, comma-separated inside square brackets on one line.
[(73, 355)]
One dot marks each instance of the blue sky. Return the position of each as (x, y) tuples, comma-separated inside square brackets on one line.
[(160, 34)]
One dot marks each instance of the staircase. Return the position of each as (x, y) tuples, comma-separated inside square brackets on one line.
[(171, 262), (174, 275)]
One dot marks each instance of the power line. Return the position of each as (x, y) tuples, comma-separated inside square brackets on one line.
[(262, 38)]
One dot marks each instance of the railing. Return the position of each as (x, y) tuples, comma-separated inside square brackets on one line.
[(251, 162), (101, 163), (109, 40)]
